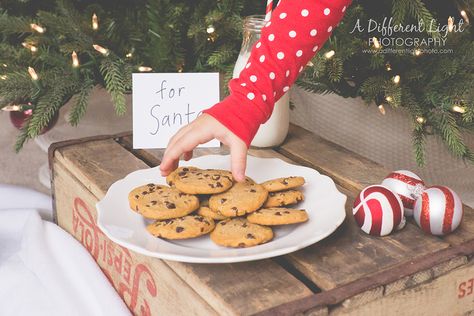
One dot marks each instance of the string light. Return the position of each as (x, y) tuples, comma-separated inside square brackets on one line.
[(210, 29), (420, 119), (144, 69), (4, 65), (459, 109), (309, 64), (389, 98), (388, 67), (37, 28), (464, 16), (450, 24), (329, 54), (396, 79), (4, 77), (100, 49), (11, 108), (31, 47), (95, 22), (129, 55), (75, 60), (33, 74), (376, 42), (417, 52), (381, 109)]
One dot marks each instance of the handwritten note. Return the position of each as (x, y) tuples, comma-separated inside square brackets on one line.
[(164, 102)]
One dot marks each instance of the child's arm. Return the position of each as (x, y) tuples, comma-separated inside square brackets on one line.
[(296, 31)]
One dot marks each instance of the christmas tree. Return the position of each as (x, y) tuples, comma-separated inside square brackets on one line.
[(53, 51)]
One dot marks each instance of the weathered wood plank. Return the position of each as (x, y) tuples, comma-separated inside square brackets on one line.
[(446, 295), (352, 171), (346, 168), (350, 254), (435, 262), (236, 289)]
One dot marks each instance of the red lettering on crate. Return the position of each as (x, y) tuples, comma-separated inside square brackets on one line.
[(466, 288), (114, 260)]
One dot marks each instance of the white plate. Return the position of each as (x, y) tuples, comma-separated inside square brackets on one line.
[(323, 202)]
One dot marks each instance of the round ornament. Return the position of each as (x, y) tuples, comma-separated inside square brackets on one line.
[(407, 185), (378, 211), (18, 119), (438, 210)]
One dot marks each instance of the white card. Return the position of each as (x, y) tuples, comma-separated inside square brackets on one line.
[(164, 102)]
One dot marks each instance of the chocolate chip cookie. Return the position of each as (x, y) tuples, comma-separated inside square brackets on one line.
[(282, 184), (157, 201), (170, 178), (207, 212), (277, 216), (190, 226), (283, 198), (238, 232), (244, 197), (198, 181)]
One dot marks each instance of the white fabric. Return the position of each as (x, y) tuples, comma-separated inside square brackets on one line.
[(44, 270)]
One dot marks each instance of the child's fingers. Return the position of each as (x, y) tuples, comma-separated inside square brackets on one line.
[(238, 153), (188, 155), (186, 143)]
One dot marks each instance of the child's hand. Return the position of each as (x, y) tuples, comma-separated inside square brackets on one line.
[(200, 131)]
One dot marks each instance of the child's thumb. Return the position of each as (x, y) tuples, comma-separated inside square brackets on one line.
[(238, 153)]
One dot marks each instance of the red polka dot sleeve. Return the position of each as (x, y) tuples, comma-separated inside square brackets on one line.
[(297, 29)]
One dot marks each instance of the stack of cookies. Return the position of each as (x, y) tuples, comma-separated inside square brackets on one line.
[(236, 214)]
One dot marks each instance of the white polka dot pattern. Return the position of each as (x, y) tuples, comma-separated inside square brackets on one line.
[(296, 31)]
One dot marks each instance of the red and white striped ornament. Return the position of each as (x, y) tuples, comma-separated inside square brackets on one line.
[(438, 210), (268, 10), (407, 185), (378, 211)]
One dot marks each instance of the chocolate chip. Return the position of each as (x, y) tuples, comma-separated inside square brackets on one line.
[(219, 185), (244, 225), (202, 229), (241, 245), (250, 236), (199, 218), (148, 205), (170, 205), (253, 190), (222, 223), (215, 177), (223, 201), (278, 213), (144, 192), (182, 173), (171, 183), (199, 173), (137, 196), (179, 229), (185, 169), (153, 202), (181, 194), (234, 208), (206, 176), (286, 212), (136, 208), (211, 185), (285, 181), (150, 185)]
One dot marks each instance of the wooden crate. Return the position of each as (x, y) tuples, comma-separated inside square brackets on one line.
[(406, 273)]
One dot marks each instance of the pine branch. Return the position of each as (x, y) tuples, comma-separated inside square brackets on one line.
[(111, 70), (419, 144), (48, 105), (13, 25), (81, 101)]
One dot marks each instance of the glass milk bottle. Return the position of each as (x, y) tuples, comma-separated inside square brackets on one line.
[(274, 131)]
